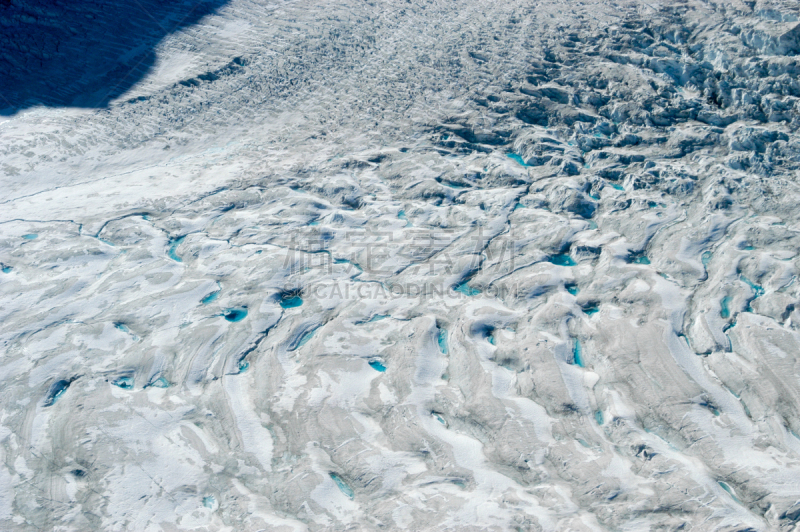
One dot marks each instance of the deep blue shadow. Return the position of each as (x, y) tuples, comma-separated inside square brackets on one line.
[(81, 53)]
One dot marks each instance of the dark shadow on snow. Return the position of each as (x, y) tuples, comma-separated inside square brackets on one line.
[(83, 54)]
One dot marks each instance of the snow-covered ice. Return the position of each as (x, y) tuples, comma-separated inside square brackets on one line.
[(418, 265)]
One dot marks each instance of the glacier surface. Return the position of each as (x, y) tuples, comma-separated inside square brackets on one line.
[(418, 265)]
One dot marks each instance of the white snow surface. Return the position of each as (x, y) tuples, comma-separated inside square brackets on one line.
[(567, 230)]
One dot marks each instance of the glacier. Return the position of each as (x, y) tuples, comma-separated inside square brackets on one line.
[(408, 265)]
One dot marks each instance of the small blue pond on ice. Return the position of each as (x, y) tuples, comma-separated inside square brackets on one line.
[(160, 382), (377, 366), (210, 297), (517, 158), (306, 337), (562, 259), (126, 383), (442, 339), (291, 301), (727, 488), (576, 354), (591, 308), (57, 389), (572, 289), (725, 311), (467, 290), (173, 246), (235, 314), (343, 487), (758, 291), (402, 215)]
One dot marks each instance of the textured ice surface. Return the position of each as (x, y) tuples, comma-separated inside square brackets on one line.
[(417, 265)]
